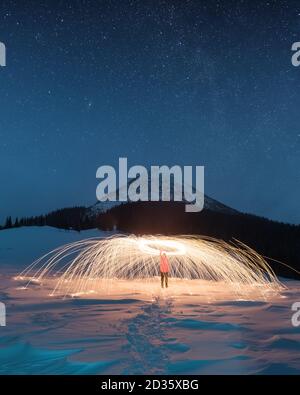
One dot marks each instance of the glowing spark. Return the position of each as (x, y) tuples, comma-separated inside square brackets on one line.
[(153, 247), (86, 265)]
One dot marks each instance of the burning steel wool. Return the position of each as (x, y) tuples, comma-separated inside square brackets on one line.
[(91, 264)]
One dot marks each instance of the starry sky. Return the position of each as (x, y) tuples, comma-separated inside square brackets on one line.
[(188, 82)]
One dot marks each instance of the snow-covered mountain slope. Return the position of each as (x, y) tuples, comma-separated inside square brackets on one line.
[(209, 203), (21, 246)]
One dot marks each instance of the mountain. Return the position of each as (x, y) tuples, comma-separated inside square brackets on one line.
[(209, 203)]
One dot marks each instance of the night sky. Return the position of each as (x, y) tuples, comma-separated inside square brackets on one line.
[(161, 82)]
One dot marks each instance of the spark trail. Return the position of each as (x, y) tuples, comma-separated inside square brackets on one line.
[(91, 264)]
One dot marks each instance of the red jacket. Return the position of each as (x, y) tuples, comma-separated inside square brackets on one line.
[(164, 264)]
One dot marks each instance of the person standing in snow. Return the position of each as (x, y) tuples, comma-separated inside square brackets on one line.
[(164, 269)]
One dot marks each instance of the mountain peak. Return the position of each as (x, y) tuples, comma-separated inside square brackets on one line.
[(209, 203)]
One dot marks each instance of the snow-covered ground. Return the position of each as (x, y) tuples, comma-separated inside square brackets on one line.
[(137, 329)]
